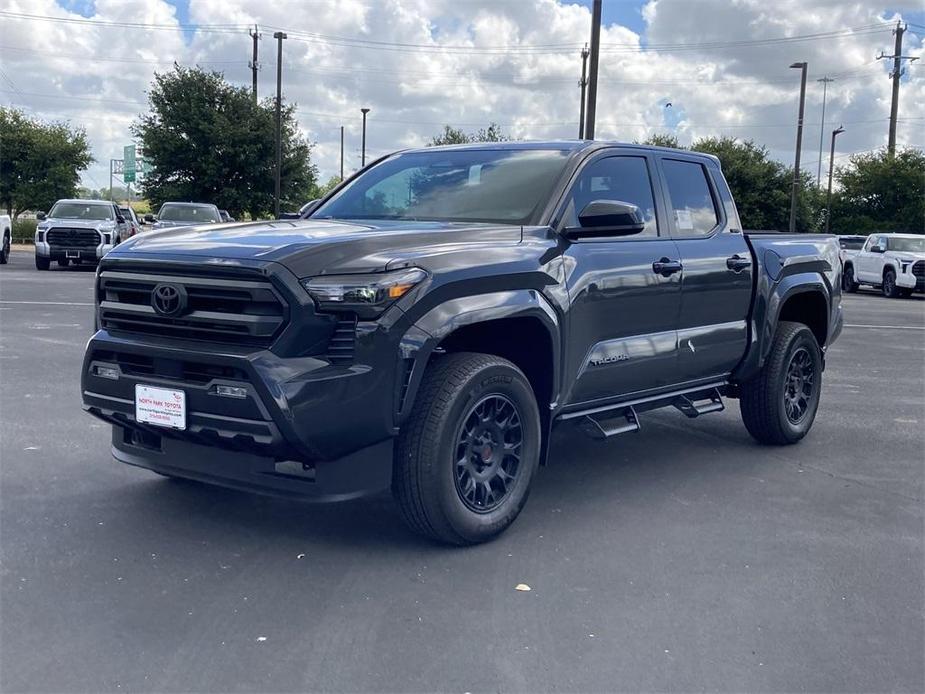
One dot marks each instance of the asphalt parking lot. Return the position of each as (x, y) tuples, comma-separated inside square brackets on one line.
[(682, 558)]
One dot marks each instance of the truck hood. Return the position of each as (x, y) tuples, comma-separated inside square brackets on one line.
[(903, 255), (94, 224), (322, 246)]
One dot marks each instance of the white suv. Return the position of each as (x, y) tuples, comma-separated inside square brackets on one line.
[(893, 262)]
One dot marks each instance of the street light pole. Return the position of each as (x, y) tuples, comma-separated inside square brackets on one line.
[(363, 154), (828, 200), (591, 108), (583, 84), (796, 165), (825, 83), (279, 36)]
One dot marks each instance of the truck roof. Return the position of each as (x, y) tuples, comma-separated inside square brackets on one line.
[(85, 201), (568, 145)]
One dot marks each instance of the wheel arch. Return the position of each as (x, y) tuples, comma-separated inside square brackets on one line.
[(520, 326)]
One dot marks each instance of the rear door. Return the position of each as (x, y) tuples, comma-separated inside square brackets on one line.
[(716, 284), (623, 315)]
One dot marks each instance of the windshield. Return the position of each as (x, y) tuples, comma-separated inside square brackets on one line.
[(906, 245), (500, 186), (188, 213), (80, 210), (852, 244)]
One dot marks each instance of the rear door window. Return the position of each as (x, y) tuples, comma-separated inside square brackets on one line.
[(690, 196)]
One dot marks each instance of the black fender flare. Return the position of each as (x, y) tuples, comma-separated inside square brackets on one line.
[(422, 338), (767, 313)]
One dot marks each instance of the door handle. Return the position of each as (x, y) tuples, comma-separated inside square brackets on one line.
[(737, 263), (666, 267)]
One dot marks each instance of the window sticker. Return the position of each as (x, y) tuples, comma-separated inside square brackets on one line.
[(685, 220)]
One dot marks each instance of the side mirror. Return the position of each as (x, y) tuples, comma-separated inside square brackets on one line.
[(607, 218), (150, 218), (877, 249), (40, 216)]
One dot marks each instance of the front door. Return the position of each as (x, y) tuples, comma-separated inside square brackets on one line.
[(624, 291), (716, 288)]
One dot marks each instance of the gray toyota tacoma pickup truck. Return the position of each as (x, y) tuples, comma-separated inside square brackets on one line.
[(440, 311)]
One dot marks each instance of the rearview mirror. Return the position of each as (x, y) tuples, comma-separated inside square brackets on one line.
[(607, 218), (40, 216)]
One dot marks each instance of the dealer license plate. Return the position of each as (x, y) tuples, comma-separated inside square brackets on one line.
[(162, 407)]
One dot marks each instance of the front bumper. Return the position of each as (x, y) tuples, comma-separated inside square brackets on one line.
[(306, 427), (907, 280), (89, 253)]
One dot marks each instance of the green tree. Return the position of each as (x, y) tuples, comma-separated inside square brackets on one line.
[(321, 190), (455, 136), (663, 140), (208, 141), (761, 186), (39, 162), (878, 192)]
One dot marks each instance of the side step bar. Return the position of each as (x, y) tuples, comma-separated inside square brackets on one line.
[(598, 429), (604, 422), (693, 406)]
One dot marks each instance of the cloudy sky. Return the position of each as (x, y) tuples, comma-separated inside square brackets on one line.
[(721, 64)]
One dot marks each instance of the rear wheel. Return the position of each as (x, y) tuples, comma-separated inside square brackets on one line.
[(64, 262), (467, 455), (42, 263), (889, 285), (779, 405), (848, 282)]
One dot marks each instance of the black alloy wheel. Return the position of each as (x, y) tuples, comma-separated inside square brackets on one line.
[(488, 453)]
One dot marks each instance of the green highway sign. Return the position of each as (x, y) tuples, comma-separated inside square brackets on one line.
[(128, 167)]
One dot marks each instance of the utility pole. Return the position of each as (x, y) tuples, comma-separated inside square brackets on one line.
[(363, 155), (279, 36), (897, 72), (253, 64), (795, 193), (342, 153), (583, 84), (828, 200), (592, 81), (825, 83)]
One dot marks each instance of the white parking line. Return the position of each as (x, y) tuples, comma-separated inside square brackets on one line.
[(47, 303), (884, 327)]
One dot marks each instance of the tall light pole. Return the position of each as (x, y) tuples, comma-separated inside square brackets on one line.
[(591, 110), (795, 193), (825, 83), (828, 199), (363, 154), (279, 36), (583, 84)]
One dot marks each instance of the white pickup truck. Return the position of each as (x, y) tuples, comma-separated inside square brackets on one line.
[(895, 263), (6, 238)]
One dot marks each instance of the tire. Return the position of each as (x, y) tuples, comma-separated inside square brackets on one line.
[(42, 263), (905, 292), (465, 407), (64, 262), (890, 290), (847, 280), (764, 399), (5, 250)]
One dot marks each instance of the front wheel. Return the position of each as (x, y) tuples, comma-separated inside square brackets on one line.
[(779, 404), (42, 263), (467, 455), (5, 250), (890, 289), (849, 284)]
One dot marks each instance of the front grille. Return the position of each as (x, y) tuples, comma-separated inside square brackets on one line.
[(217, 309), (343, 341), (919, 269), (66, 237), (175, 369)]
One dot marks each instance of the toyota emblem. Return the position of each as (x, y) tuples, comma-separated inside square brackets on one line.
[(168, 299)]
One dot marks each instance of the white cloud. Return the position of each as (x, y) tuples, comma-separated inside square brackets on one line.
[(507, 63)]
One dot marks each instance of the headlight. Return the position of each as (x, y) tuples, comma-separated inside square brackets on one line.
[(368, 295)]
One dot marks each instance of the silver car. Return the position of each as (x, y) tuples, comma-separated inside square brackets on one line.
[(78, 231), (184, 214)]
